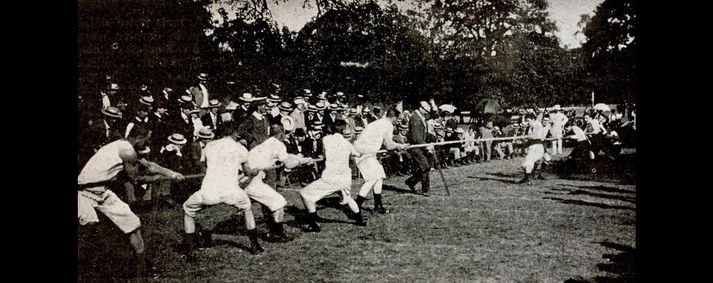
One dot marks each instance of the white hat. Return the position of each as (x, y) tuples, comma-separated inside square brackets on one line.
[(556, 107)]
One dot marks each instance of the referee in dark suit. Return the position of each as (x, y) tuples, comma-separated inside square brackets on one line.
[(417, 131)]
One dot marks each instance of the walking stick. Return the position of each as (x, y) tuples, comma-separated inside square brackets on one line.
[(435, 157)]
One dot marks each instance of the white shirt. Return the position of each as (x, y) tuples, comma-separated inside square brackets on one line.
[(578, 134), (337, 151), (267, 153), (224, 159), (558, 120), (374, 135), (204, 103), (537, 131), (105, 164), (108, 128), (105, 100)]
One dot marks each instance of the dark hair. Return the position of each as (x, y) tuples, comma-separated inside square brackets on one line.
[(276, 129), (530, 116), (339, 126), (139, 130), (300, 132), (392, 113)]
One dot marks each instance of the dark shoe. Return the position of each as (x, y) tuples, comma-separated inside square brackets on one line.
[(311, 225), (255, 247), (525, 180), (187, 246), (359, 219), (278, 235), (359, 201), (381, 210), (411, 186)]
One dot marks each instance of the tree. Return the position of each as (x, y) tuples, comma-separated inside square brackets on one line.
[(611, 50)]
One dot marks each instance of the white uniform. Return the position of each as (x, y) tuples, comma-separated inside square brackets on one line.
[(261, 157), (372, 137), (558, 121), (105, 165), (336, 177), (224, 159), (536, 150)]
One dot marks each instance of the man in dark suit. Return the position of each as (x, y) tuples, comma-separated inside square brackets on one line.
[(199, 91), (212, 119), (182, 122), (100, 133), (417, 131)]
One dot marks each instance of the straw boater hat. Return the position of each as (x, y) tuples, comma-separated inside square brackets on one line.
[(323, 95), (403, 127), (352, 110), (184, 99), (113, 87), (288, 123), (205, 133), (214, 103), (366, 109), (320, 106), (146, 100), (270, 103), (460, 131), (358, 129), (274, 98), (112, 111), (285, 106), (203, 76), (312, 108), (333, 106), (339, 93), (437, 126), (247, 97), (307, 92), (177, 139), (299, 100), (557, 107)]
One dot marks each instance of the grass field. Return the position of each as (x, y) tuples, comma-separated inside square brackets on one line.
[(489, 229)]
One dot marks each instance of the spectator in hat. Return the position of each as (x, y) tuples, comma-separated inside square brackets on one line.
[(486, 132), (558, 121), (109, 94), (256, 126), (332, 115), (211, 119), (401, 159), (166, 98), (196, 152), (171, 156), (417, 132), (285, 110), (141, 115), (373, 115), (299, 113), (471, 148), (243, 111), (183, 122), (311, 115), (105, 130), (199, 91)]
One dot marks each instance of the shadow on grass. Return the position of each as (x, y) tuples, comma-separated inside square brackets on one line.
[(621, 265), (565, 191), (622, 170), (500, 179), (398, 190), (586, 203)]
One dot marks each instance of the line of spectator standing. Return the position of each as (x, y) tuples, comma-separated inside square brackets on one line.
[(183, 122)]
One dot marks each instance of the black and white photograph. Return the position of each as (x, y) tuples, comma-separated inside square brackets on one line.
[(357, 140)]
